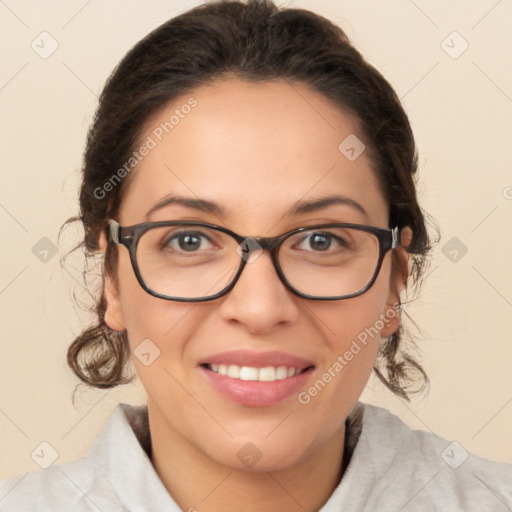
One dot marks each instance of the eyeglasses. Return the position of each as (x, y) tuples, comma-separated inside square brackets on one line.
[(189, 261)]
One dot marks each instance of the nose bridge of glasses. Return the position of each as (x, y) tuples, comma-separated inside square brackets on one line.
[(254, 244), (267, 243)]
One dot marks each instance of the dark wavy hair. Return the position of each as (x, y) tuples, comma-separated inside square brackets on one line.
[(254, 41)]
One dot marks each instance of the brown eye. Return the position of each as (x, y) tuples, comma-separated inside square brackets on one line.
[(321, 241), (188, 241)]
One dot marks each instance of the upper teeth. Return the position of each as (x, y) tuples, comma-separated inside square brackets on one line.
[(269, 373)]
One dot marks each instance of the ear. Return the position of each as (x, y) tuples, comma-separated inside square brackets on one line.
[(398, 279), (113, 314)]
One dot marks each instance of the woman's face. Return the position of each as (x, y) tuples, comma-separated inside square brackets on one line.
[(255, 150)]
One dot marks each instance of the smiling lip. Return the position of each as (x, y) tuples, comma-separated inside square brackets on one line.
[(252, 392), (257, 359)]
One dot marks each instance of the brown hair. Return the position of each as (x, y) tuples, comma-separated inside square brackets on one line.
[(255, 41)]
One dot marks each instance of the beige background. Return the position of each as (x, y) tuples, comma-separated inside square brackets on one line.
[(461, 112)]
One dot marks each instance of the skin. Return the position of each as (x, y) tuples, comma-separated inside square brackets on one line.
[(256, 149)]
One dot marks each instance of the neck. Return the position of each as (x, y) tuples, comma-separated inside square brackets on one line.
[(196, 482)]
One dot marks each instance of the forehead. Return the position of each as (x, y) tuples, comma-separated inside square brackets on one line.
[(255, 149)]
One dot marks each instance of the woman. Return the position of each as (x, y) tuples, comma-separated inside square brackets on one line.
[(248, 179)]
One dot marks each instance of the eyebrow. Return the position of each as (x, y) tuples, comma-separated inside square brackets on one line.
[(299, 208)]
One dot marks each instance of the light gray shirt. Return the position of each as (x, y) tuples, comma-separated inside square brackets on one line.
[(392, 469)]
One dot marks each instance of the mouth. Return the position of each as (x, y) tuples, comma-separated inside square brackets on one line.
[(256, 379), (265, 374)]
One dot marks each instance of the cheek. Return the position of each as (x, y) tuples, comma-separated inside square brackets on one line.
[(355, 321), (352, 331), (157, 328), (345, 367), (158, 331), (353, 343)]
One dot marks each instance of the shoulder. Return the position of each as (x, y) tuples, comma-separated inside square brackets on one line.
[(433, 467), (115, 468), (78, 486)]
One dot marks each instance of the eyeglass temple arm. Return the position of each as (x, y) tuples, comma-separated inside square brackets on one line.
[(396, 237), (114, 231)]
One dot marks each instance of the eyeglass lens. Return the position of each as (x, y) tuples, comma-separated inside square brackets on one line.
[(196, 261)]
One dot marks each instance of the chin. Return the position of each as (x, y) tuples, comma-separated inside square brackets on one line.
[(257, 456)]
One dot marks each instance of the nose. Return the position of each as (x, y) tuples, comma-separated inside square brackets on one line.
[(259, 300)]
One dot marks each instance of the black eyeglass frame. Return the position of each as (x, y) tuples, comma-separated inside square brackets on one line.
[(129, 236)]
